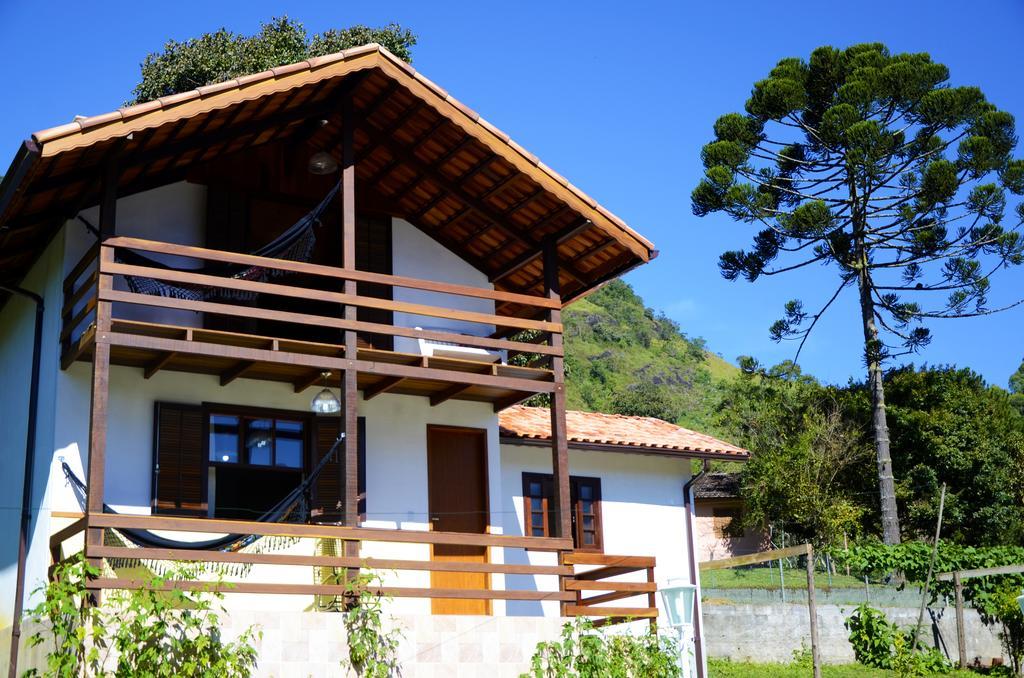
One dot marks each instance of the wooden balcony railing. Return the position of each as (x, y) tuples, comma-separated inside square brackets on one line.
[(606, 577), (347, 534), (572, 582), (91, 282)]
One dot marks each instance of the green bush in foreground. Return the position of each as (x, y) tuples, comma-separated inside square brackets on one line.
[(585, 652), (152, 632)]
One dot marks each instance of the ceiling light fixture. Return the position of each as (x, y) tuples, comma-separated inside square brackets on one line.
[(325, 402)]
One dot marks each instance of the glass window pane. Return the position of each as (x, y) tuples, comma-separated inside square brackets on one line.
[(588, 523), (535, 489), (259, 441), (288, 444), (586, 507), (537, 522), (223, 439), (588, 538), (537, 504), (586, 492)]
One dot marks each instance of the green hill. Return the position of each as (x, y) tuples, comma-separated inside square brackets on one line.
[(624, 357)]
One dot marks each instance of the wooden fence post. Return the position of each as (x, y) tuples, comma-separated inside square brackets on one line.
[(961, 634), (812, 609)]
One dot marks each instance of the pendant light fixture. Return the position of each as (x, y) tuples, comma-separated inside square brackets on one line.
[(325, 402), (322, 162)]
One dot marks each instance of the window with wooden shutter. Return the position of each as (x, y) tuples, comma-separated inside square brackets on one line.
[(179, 476), (584, 501), (328, 495)]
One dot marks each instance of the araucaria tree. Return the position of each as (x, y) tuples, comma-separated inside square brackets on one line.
[(873, 164)]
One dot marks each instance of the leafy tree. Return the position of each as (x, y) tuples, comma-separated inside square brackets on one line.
[(807, 457), (871, 163), (223, 55), (950, 427), (1017, 380), (645, 399), (1017, 388)]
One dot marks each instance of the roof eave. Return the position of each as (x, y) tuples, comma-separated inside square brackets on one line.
[(676, 453)]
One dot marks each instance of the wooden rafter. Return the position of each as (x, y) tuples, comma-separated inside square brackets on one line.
[(383, 386), (529, 256), (236, 372), (454, 187), (158, 364)]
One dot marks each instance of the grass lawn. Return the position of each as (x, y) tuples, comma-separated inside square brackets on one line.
[(763, 578), (720, 668)]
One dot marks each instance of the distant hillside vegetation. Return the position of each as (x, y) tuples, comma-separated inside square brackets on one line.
[(626, 358)]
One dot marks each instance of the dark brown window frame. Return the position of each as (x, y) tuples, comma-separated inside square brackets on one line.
[(307, 418), (546, 481)]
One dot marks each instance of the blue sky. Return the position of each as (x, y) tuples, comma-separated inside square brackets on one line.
[(617, 96)]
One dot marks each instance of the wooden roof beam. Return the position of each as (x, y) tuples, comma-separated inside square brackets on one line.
[(448, 393), (383, 386), (519, 262), (235, 372), (456, 189), (159, 364)]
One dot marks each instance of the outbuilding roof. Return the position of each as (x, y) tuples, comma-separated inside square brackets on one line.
[(615, 432), (717, 485), (426, 155)]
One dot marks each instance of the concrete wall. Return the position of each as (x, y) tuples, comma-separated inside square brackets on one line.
[(772, 633)]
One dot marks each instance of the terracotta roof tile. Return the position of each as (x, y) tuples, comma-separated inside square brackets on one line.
[(614, 429)]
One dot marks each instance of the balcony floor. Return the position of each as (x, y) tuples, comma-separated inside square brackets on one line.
[(154, 347)]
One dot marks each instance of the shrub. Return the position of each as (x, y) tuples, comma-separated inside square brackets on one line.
[(585, 652), (879, 643), (154, 632), (372, 652)]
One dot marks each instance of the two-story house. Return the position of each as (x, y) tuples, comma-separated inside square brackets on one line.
[(278, 318)]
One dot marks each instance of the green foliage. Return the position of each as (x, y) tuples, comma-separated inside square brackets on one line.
[(723, 668), (871, 636), (1016, 385), (585, 652), (879, 643), (812, 473), (75, 633), (618, 352), (151, 632), (948, 426), (645, 399), (993, 596), (807, 456), (372, 651), (223, 55)]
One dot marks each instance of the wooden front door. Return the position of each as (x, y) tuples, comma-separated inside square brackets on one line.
[(457, 497)]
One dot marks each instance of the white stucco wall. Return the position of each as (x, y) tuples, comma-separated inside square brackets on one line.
[(416, 255), (642, 512), (17, 330), (175, 213)]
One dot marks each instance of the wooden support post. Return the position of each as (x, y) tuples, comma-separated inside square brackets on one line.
[(961, 633), (100, 369), (559, 440), (350, 393), (652, 599), (812, 609)]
